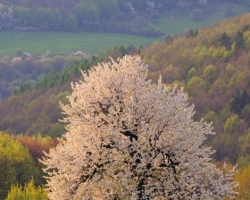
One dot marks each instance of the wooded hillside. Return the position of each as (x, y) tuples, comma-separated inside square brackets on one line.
[(212, 64), (35, 109)]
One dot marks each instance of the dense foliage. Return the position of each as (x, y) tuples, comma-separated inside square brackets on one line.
[(97, 15), (133, 17), (213, 67), (36, 144), (130, 139), (28, 192), (21, 73), (16, 165)]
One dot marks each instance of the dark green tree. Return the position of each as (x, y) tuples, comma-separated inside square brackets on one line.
[(47, 18), (86, 13), (225, 40), (71, 23), (108, 8), (23, 16), (239, 101), (239, 41)]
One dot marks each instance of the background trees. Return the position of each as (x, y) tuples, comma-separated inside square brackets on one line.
[(47, 18), (130, 139), (86, 13), (97, 15), (23, 16), (71, 23), (107, 15)]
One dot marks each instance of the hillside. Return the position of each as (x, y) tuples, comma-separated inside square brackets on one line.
[(15, 71), (211, 63), (213, 66), (35, 109)]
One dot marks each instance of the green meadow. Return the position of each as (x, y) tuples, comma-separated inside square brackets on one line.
[(67, 42), (179, 25)]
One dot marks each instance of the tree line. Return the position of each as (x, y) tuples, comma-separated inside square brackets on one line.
[(137, 4), (132, 17), (109, 15)]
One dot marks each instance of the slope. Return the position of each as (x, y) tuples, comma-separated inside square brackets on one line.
[(211, 63), (213, 66)]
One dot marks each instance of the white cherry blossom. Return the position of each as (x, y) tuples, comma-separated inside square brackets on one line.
[(131, 139)]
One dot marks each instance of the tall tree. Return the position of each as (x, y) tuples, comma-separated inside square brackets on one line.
[(86, 12), (71, 23), (130, 139)]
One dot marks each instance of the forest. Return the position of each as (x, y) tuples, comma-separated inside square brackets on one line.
[(212, 64), (129, 17)]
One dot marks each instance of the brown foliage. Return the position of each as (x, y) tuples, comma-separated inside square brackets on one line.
[(36, 144)]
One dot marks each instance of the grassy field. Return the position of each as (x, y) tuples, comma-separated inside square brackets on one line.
[(177, 26), (66, 43)]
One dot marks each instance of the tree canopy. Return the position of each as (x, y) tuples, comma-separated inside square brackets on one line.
[(213, 67), (28, 192), (16, 165), (130, 139)]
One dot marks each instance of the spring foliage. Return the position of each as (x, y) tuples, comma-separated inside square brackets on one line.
[(130, 139), (28, 192), (16, 165)]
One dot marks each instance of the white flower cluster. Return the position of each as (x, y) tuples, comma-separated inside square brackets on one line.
[(130, 139)]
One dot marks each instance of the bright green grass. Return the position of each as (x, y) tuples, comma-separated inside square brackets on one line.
[(66, 43), (177, 26)]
